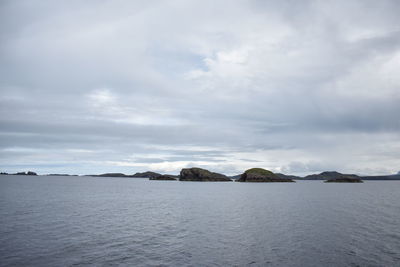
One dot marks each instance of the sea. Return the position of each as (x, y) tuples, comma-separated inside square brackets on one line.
[(101, 221)]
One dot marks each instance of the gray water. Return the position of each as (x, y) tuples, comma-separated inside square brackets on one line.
[(80, 221)]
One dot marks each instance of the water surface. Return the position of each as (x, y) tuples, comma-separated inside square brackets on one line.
[(80, 221)]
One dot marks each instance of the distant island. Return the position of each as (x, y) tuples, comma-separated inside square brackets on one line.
[(61, 174), (165, 177), (330, 176), (20, 173), (344, 180), (253, 175), (147, 174)]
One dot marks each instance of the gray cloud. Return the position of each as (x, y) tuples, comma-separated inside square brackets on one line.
[(130, 86)]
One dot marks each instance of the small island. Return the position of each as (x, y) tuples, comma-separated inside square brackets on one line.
[(330, 175), (259, 175), (164, 177), (202, 175), (147, 174), (26, 173), (345, 180)]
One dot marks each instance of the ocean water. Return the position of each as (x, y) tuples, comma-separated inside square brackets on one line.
[(85, 221)]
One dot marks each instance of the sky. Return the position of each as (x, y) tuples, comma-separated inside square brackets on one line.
[(297, 87)]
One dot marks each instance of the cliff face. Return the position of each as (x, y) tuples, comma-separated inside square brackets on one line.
[(202, 175), (259, 175)]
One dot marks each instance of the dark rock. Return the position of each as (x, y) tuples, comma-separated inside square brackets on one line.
[(3, 173), (146, 175), (259, 175), (344, 180), (164, 177), (202, 175)]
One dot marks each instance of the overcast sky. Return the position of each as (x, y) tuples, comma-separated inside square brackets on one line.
[(297, 87)]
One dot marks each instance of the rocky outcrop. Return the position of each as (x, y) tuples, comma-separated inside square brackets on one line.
[(146, 175), (345, 180), (330, 176), (259, 175), (165, 177), (202, 175)]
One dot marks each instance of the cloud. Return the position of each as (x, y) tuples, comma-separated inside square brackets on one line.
[(129, 86)]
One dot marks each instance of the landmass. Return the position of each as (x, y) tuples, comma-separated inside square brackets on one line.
[(285, 176), (24, 173), (250, 175), (202, 175), (345, 180), (329, 176), (259, 175), (165, 177), (112, 174), (382, 177), (147, 174), (61, 174)]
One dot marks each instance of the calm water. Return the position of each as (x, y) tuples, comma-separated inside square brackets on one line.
[(65, 221)]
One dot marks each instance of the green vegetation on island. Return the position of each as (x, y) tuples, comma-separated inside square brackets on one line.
[(202, 175), (259, 175)]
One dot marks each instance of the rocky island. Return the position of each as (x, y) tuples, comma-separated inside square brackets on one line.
[(259, 175), (202, 175)]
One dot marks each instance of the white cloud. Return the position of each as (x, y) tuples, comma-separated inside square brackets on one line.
[(288, 86)]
